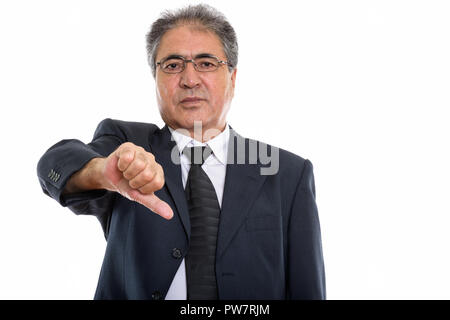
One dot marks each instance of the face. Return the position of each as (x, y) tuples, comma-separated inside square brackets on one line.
[(191, 95)]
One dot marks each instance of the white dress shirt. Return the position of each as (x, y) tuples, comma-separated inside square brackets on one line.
[(215, 167)]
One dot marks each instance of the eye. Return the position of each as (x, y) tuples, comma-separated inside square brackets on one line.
[(173, 65), (207, 64)]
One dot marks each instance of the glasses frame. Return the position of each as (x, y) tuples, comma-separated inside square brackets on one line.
[(185, 61)]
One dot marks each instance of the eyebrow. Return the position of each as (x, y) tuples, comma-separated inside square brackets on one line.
[(172, 56), (178, 56), (204, 55)]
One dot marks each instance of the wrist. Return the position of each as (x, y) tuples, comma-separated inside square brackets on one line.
[(93, 175), (90, 177)]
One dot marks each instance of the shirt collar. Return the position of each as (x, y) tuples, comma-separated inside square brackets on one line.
[(218, 145)]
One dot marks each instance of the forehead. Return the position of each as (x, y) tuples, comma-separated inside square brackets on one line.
[(189, 41)]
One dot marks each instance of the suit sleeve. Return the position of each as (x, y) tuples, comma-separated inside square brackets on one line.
[(66, 157), (306, 273)]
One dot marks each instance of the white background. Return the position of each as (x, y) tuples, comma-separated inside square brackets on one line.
[(361, 88)]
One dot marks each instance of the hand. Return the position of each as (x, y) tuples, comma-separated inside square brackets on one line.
[(134, 173)]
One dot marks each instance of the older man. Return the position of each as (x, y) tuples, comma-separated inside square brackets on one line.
[(188, 210)]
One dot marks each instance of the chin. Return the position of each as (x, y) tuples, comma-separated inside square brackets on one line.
[(190, 124), (189, 119)]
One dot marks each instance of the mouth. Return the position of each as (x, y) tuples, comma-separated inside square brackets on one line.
[(190, 100)]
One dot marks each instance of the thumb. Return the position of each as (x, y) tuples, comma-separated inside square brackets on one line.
[(151, 201), (154, 203)]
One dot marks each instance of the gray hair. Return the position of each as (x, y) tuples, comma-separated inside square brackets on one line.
[(200, 15)]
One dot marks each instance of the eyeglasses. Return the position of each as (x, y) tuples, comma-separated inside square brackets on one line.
[(202, 63)]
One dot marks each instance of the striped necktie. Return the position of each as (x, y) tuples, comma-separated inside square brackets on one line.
[(204, 213)]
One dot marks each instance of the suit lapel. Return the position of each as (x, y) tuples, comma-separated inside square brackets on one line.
[(162, 145), (242, 184)]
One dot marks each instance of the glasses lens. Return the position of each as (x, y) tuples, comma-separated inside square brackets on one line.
[(206, 64), (173, 65)]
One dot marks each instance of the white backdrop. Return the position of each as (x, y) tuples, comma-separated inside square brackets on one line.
[(361, 88)]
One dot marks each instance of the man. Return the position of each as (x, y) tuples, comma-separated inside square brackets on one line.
[(191, 211)]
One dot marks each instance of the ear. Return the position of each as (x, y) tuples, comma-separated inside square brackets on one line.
[(233, 77)]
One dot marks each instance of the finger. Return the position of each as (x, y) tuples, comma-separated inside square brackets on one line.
[(148, 175), (143, 178), (154, 185), (126, 156), (138, 164)]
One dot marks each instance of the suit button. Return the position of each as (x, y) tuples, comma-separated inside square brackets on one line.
[(176, 253), (156, 295)]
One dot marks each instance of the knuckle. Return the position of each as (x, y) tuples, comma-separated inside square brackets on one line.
[(141, 154), (127, 175), (139, 150), (158, 182), (127, 156), (126, 146), (148, 175), (139, 164), (132, 183), (150, 156)]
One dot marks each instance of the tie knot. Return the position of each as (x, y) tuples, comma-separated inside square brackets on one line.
[(197, 155)]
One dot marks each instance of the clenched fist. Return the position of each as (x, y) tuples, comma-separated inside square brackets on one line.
[(130, 171)]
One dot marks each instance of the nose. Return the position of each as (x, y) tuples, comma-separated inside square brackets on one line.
[(189, 77)]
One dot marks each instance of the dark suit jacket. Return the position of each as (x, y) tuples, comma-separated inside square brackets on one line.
[(268, 246)]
